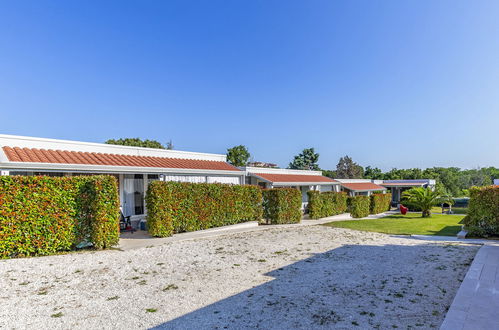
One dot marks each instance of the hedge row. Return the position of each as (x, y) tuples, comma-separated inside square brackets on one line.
[(326, 204), (43, 215), (282, 205), (482, 218), (174, 207), (358, 206), (380, 203)]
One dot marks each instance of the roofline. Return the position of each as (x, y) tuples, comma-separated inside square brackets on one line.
[(113, 147), (294, 183), (23, 166)]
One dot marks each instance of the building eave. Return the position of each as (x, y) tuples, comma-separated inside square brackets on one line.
[(24, 166)]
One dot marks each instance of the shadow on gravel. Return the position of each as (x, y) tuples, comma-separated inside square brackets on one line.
[(352, 287)]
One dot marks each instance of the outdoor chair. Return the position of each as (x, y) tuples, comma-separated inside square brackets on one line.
[(125, 223)]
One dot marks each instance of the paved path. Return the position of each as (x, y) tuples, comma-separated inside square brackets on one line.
[(476, 305), (141, 239)]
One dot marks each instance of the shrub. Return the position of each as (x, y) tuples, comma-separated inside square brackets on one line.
[(483, 211), (359, 206), (174, 207), (44, 215), (380, 203), (282, 205), (325, 204)]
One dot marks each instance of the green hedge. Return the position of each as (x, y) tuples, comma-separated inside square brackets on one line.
[(282, 205), (380, 203), (482, 218), (326, 204), (174, 207), (358, 206), (43, 215)]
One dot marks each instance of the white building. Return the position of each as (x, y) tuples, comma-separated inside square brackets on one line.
[(134, 167), (302, 180)]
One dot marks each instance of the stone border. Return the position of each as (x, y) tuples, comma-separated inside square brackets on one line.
[(476, 304)]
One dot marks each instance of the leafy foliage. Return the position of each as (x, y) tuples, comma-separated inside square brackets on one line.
[(380, 203), (174, 207), (306, 160), (282, 205), (359, 206), (326, 204), (423, 198), (483, 211), (137, 142), (238, 155), (348, 169), (373, 173), (44, 215)]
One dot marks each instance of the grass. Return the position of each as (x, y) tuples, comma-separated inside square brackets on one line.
[(456, 210), (409, 224)]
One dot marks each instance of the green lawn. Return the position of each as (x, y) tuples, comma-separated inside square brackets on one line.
[(456, 210), (438, 224)]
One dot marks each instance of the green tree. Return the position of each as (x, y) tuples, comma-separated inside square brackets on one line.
[(136, 142), (238, 155), (424, 198), (348, 169), (373, 173), (329, 173), (307, 160)]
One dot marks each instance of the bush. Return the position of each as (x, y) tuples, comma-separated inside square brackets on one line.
[(282, 205), (174, 207), (326, 204), (359, 206), (380, 203), (483, 212), (44, 215)]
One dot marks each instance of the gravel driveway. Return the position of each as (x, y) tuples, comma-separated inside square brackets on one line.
[(301, 277)]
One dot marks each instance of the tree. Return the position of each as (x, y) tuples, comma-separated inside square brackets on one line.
[(238, 155), (169, 145), (423, 198), (373, 173), (136, 142), (329, 173), (348, 169), (307, 160)]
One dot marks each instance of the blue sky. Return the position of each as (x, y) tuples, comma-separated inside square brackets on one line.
[(390, 83)]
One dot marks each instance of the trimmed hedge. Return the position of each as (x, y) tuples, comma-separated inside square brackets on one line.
[(380, 203), (43, 215), (174, 207), (482, 218), (326, 204), (282, 205), (358, 206)]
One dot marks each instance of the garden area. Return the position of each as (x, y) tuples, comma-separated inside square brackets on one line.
[(409, 224)]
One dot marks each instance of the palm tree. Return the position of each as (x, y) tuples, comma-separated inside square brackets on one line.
[(423, 198)]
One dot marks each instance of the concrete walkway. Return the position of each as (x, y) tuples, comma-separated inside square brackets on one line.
[(476, 305), (141, 239)]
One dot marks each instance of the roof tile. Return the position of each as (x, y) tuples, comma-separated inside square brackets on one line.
[(28, 155), (289, 178)]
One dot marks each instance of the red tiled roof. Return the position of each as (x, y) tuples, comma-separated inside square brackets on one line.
[(402, 184), (92, 158), (362, 186), (294, 178)]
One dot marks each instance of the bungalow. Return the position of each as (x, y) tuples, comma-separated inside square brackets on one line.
[(356, 187), (397, 187), (134, 167), (302, 180)]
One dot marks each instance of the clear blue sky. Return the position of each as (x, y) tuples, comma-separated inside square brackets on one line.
[(390, 83)]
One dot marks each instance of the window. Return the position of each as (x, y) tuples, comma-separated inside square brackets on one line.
[(133, 188)]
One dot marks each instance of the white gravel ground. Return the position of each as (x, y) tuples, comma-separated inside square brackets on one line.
[(303, 277)]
